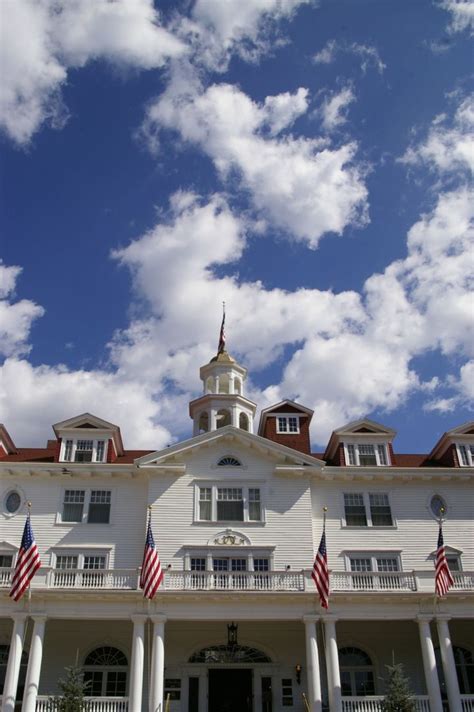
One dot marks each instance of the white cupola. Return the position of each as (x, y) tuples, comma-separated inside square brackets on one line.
[(222, 402)]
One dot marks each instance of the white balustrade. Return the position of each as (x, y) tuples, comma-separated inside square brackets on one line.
[(234, 581), (6, 577), (463, 580), (372, 581), (467, 702), (374, 703), (92, 704)]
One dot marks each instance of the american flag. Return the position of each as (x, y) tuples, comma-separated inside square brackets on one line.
[(443, 578), (27, 564), (151, 575), (320, 572), (221, 346)]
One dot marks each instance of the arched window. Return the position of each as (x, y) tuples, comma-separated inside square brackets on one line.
[(464, 661), (229, 461), (243, 421), (203, 423), (105, 669), (357, 672), (229, 654), (222, 418), (4, 650)]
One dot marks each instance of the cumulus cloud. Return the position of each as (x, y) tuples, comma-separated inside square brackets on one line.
[(368, 55), (302, 186), (217, 30), (40, 41), (462, 14), (334, 108), (449, 145), (16, 317)]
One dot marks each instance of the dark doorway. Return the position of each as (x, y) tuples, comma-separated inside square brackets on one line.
[(230, 691)]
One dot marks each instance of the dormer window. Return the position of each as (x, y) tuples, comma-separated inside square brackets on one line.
[(466, 455), (83, 450), (366, 454), (288, 424)]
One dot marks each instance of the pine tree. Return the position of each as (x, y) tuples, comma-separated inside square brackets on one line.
[(73, 688), (398, 697)]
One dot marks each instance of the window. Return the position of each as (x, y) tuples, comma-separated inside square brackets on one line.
[(83, 450), (92, 506), (105, 671), (288, 424), (466, 455), (438, 506), (12, 502), (6, 561), (287, 692), (229, 504), (367, 510), (366, 454), (229, 462), (80, 569), (385, 565), (172, 689), (357, 673), (4, 651), (464, 661), (454, 562)]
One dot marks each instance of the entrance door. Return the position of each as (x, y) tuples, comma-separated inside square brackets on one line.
[(230, 691)]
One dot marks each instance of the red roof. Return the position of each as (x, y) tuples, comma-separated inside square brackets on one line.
[(45, 454)]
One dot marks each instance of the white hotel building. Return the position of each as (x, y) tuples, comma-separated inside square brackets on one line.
[(237, 517)]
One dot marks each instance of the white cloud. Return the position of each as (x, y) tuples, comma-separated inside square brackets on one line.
[(462, 14), (334, 108), (16, 318), (300, 185), (368, 55), (41, 40), (449, 145)]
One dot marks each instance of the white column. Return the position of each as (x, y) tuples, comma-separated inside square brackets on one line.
[(34, 665), (231, 384), (429, 664), (449, 666), (14, 661), (157, 664), (212, 420), (332, 664), (312, 664), (235, 417), (136, 666)]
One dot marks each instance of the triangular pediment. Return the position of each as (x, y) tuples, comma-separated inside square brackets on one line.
[(228, 436), (462, 434), (364, 426)]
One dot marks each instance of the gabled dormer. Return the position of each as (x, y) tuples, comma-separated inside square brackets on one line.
[(456, 447), (87, 438), (362, 443), (287, 423), (7, 446)]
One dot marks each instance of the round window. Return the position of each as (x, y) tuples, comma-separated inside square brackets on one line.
[(438, 506), (12, 502)]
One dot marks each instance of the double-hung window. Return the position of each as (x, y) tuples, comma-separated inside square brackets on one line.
[(219, 503), (385, 565), (83, 450), (80, 569), (91, 506), (366, 454), (288, 424), (363, 509), (466, 455)]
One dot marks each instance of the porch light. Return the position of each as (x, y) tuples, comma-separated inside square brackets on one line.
[(232, 629), (298, 673)]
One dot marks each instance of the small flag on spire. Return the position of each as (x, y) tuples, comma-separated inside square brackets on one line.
[(320, 572), (151, 575), (443, 578), (221, 346), (27, 564)]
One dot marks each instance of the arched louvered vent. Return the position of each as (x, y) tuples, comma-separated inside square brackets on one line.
[(229, 654), (106, 655), (229, 462)]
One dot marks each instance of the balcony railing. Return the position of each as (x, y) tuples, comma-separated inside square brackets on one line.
[(92, 704), (242, 581), (374, 703)]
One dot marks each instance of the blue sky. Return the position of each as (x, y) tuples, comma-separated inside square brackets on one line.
[(307, 162)]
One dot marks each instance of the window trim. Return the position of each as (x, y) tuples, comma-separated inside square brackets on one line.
[(373, 555), (81, 553), (87, 501), (229, 484), (469, 449), (287, 416), (250, 553), (368, 513), (369, 441), (19, 490)]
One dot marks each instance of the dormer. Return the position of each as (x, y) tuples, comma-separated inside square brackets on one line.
[(7, 446), (362, 443), (287, 423), (87, 438), (456, 447)]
